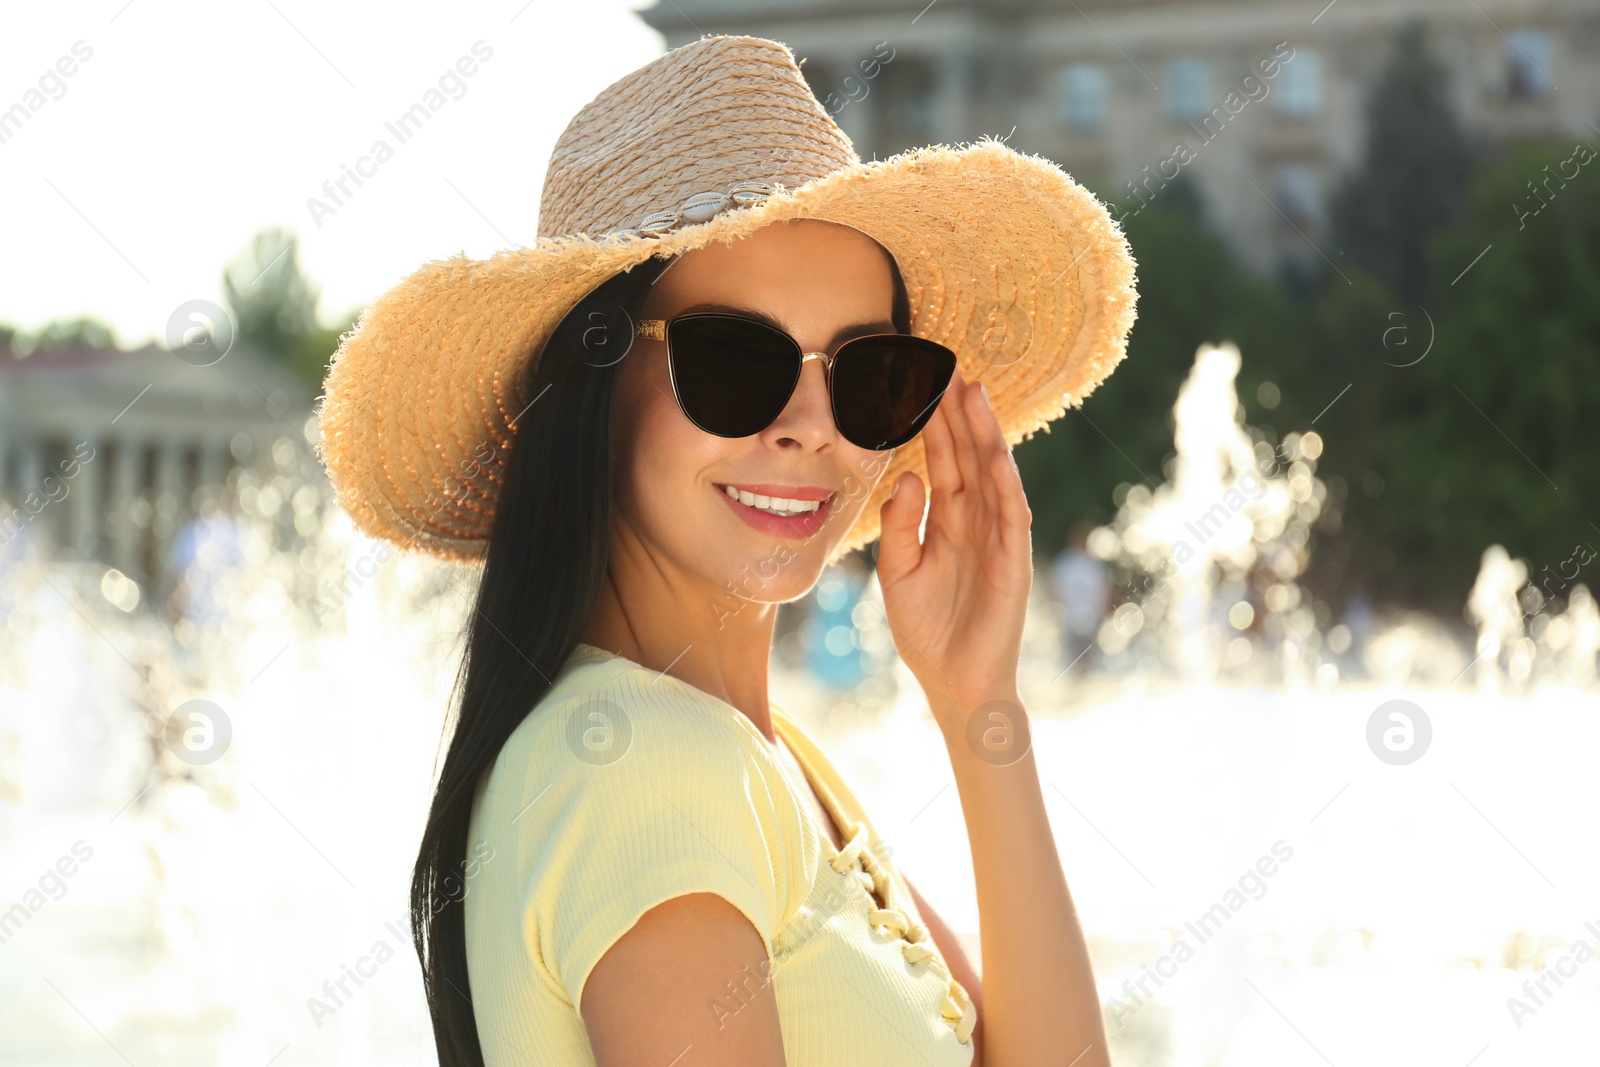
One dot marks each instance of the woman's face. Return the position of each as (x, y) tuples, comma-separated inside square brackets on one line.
[(822, 283)]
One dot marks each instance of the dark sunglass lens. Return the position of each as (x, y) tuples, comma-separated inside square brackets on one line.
[(886, 388), (733, 376)]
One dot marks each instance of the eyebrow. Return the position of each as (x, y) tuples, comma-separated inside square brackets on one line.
[(844, 333)]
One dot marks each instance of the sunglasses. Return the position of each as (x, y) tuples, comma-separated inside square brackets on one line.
[(733, 376)]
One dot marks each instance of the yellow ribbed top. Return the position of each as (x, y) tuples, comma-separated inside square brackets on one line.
[(625, 788)]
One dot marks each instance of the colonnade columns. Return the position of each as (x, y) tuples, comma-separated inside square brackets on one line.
[(8, 496), (30, 470), (126, 469), (170, 499), (17, 520), (87, 517), (215, 461)]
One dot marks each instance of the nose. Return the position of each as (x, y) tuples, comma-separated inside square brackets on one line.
[(806, 422)]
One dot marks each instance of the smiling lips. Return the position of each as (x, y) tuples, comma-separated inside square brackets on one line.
[(780, 510)]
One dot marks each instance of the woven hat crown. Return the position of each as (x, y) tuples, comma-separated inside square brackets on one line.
[(701, 118)]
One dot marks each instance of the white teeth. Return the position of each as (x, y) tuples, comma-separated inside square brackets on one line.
[(772, 505)]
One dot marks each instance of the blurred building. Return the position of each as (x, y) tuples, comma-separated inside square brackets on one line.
[(1108, 88), (107, 454)]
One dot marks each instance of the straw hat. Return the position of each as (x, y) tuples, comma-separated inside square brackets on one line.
[(1006, 260)]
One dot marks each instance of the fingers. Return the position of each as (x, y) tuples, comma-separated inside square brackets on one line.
[(987, 440), (899, 551), (1015, 515), (944, 474), (965, 446), (966, 449), (986, 427)]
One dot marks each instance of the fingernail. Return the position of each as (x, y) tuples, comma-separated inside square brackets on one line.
[(985, 390)]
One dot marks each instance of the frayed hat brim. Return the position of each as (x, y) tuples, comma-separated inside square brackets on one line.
[(1006, 260)]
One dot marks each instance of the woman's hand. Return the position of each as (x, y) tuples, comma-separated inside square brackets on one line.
[(956, 600)]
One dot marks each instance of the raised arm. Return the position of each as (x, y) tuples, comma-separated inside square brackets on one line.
[(956, 601), (1040, 1003)]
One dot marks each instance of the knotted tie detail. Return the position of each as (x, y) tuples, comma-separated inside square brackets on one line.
[(917, 943)]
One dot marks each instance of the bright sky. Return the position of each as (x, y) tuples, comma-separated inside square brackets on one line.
[(192, 125)]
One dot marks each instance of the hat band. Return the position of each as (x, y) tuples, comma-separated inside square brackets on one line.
[(701, 207)]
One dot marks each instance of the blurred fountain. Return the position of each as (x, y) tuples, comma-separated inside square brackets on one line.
[(288, 624), (1212, 555), (1494, 606), (1570, 641), (1414, 649), (1528, 637)]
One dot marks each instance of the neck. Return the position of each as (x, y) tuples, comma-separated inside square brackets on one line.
[(667, 621)]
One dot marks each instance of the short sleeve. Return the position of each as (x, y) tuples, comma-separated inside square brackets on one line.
[(644, 793)]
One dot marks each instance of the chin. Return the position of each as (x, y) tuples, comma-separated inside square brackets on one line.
[(778, 573)]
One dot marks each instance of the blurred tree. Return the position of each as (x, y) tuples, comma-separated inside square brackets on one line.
[(1502, 451), (1452, 419), (1354, 389), (82, 331), (310, 357), (1467, 409), (1191, 291), (1416, 165), (274, 304)]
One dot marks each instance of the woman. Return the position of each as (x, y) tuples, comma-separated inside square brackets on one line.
[(633, 855)]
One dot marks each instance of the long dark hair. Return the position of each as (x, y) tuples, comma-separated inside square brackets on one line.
[(542, 577)]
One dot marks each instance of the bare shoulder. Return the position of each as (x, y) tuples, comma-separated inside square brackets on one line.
[(661, 993)]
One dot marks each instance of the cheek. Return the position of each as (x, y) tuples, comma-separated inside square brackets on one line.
[(658, 450)]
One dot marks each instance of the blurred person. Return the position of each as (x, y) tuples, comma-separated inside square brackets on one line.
[(205, 549), (1081, 586), (1359, 619), (734, 318), (835, 652)]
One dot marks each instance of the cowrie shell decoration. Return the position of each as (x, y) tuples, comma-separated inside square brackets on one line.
[(701, 207)]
